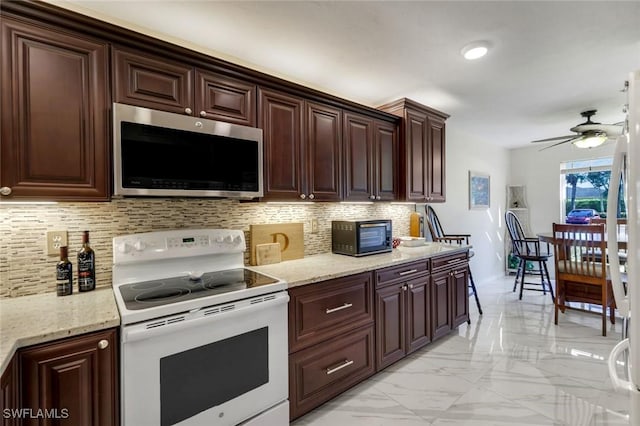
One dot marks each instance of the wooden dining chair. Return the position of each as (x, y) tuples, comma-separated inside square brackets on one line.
[(528, 250), (581, 276), (438, 235), (621, 231)]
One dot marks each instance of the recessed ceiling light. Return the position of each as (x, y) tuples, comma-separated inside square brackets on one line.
[(475, 50)]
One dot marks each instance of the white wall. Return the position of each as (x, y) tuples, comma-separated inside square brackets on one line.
[(464, 153), (539, 171)]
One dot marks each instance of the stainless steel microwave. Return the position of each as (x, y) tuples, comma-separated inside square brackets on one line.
[(163, 154), (361, 237)]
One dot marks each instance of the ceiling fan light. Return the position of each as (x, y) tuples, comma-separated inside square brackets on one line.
[(591, 141), (475, 50)]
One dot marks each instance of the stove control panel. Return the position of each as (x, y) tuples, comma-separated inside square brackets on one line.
[(175, 244)]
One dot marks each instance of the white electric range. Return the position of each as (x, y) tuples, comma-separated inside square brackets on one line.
[(203, 339)]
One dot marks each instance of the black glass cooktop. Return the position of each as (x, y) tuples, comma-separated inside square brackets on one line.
[(147, 294)]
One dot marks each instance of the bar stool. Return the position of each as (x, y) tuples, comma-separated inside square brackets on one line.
[(527, 250)]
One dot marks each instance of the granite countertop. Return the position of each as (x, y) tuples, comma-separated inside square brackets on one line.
[(321, 267), (29, 320), (41, 318)]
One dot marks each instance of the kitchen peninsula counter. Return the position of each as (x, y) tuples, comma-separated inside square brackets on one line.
[(29, 320), (322, 267)]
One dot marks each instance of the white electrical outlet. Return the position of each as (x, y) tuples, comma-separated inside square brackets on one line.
[(314, 226), (55, 240)]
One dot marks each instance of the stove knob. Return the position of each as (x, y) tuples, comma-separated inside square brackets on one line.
[(139, 245), (228, 239), (124, 248), (237, 239), (219, 239)]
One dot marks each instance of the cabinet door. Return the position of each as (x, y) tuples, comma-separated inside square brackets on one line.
[(416, 156), (358, 158), (418, 313), (436, 159), (390, 325), (281, 116), (9, 393), (54, 142), (323, 153), (460, 300), (152, 82), (223, 98), (78, 377), (386, 159), (441, 304)]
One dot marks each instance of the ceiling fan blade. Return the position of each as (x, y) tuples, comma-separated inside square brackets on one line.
[(572, 139), (554, 139)]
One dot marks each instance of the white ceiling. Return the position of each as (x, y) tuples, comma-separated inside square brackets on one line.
[(550, 59)]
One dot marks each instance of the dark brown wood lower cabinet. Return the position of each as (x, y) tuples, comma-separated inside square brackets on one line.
[(9, 394), (76, 379), (321, 372), (403, 320), (460, 299), (441, 307)]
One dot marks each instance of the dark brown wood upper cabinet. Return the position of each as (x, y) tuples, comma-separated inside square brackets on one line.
[(155, 82), (226, 99), (370, 159), (358, 158), (152, 82), (422, 159), (302, 157), (281, 118), (323, 153), (55, 114)]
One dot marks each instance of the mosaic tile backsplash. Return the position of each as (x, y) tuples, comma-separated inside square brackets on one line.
[(26, 269)]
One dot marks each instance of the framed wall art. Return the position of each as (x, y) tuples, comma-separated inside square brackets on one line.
[(479, 190)]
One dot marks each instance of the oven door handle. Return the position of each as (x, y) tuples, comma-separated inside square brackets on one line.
[(203, 316)]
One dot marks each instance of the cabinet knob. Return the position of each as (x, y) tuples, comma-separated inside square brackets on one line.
[(311, 196), (373, 197), (378, 197), (404, 288), (203, 113), (302, 196), (102, 344), (411, 286), (187, 110), (5, 190)]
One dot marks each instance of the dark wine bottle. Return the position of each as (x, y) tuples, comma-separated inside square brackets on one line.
[(86, 265), (64, 274)]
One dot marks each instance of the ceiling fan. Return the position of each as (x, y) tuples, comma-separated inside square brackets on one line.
[(588, 134)]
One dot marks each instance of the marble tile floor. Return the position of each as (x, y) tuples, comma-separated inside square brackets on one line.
[(510, 366)]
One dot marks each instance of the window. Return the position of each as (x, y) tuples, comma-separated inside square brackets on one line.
[(585, 185)]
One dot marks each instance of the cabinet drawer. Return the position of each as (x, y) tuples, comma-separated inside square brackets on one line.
[(451, 261), (319, 373), (405, 272), (320, 311)]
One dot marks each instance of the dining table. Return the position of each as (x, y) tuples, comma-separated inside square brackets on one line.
[(548, 237)]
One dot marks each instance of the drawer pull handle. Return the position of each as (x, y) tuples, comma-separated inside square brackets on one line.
[(410, 271), (339, 308), (345, 364), (455, 261)]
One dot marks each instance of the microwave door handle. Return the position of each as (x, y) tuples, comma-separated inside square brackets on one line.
[(373, 225)]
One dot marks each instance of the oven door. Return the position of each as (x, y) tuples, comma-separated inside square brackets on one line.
[(219, 365), (374, 237)]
